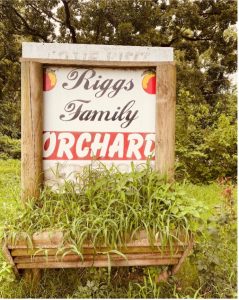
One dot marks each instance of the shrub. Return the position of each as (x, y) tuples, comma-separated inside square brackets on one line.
[(9, 147), (206, 139), (215, 255)]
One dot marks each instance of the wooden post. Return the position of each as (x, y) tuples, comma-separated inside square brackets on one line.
[(32, 277), (165, 120), (31, 139), (9, 258), (32, 104)]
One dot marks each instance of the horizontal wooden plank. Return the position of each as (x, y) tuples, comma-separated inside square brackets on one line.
[(77, 258), (101, 263), (90, 52), (136, 244), (113, 64), (48, 240), (40, 252), (39, 240)]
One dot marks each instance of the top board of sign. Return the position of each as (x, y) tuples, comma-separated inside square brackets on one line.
[(96, 52)]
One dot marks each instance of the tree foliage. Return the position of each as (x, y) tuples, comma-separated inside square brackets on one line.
[(202, 33)]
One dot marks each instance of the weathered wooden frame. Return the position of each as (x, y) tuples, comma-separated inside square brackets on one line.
[(32, 167)]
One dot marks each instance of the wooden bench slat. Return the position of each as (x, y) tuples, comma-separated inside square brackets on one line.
[(76, 258), (56, 240), (137, 243), (98, 263), (40, 252)]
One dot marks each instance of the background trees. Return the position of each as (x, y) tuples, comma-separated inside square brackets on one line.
[(202, 33)]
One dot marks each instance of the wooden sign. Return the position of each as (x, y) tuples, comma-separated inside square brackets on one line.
[(84, 103)]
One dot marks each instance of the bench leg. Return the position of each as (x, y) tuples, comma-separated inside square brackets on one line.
[(163, 276), (32, 277), (174, 269)]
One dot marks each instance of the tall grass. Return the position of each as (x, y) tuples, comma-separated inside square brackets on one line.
[(109, 207)]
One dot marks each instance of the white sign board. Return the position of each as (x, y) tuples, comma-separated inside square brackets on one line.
[(100, 114)]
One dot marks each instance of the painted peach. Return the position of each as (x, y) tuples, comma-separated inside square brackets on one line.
[(149, 82), (49, 80)]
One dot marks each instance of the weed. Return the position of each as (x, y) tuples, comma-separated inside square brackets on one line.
[(109, 207)]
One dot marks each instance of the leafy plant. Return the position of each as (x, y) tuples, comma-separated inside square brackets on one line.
[(206, 138), (9, 147), (215, 255), (109, 207), (5, 272)]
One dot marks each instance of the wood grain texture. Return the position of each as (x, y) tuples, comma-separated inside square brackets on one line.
[(91, 52), (136, 244), (98, 263), (32, 277), (8, 257), (77, 258), (165, 120), (114, 64), (51, 251), (31, 124), (43, 240), (55, 239), (182, 258)]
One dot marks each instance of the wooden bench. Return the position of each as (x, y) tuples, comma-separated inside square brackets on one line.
[(47, 250)]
